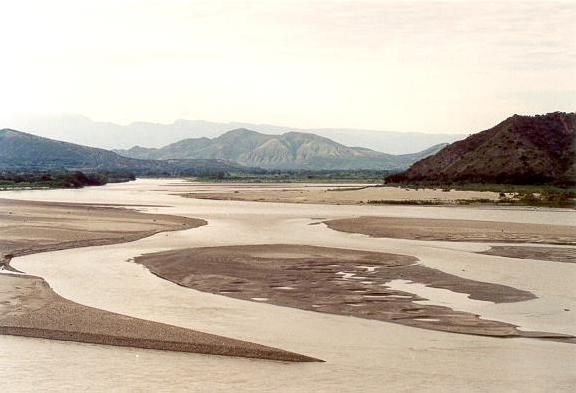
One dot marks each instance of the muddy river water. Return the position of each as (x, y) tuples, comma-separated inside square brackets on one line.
[(361, 355)]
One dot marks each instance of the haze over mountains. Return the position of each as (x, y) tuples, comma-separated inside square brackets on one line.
[(82, 130), (291, 150), (521, 149)]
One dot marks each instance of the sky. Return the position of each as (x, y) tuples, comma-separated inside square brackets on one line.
[(451, 66)]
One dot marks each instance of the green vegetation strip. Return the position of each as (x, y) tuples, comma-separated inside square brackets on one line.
[(510, 194), (59, 179)]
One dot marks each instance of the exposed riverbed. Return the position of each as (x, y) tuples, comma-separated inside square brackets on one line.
[(361, 355)]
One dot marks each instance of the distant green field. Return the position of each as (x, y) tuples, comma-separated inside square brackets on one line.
[(304, 176)]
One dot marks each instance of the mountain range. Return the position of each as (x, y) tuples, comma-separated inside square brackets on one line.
[(235, 151), (23, 151), (520, 150), (288, 151), (82, 130)]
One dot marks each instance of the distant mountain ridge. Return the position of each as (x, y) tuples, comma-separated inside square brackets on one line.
[(291, 150), (82, 130), (521, 150), (23, 151)]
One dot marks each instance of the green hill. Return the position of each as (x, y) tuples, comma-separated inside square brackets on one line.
[(291, 150)]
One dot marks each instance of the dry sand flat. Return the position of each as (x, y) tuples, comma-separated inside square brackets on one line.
[(348, 195), (338, 281), (456, 230), (29, 307)]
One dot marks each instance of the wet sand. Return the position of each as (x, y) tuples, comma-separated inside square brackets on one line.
[(336, 281), (456, 230), (29, 307), (337, 195)]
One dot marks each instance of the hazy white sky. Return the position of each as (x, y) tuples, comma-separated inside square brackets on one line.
[(452, 66)]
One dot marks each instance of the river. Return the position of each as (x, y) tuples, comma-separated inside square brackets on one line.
[(361, 355)]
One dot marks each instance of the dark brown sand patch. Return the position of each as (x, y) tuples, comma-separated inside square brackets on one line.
[(336, 281), (565, 255), (455, 230)]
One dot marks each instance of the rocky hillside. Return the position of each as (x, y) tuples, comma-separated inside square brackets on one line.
[(23, 151), (291, 150), (520, 150)]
